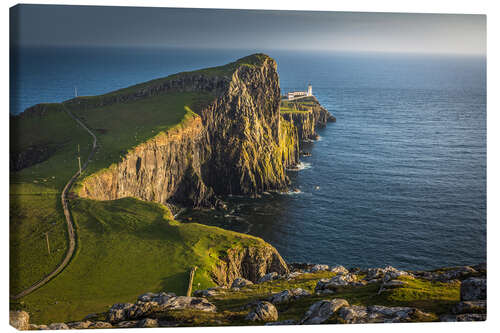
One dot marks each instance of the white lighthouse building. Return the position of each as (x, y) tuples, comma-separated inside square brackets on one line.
[(300, 94)]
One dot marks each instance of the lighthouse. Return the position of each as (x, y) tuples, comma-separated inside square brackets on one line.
[(309, 90)]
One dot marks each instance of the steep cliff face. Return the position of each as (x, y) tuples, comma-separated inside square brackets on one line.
[(308, 117), (251, 263), (165, 167), (233, 146), (305, 124), (289, 143)]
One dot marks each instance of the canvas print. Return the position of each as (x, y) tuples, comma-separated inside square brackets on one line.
[(207, 167)]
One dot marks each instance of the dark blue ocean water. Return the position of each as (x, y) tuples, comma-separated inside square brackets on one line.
[(400, 179)]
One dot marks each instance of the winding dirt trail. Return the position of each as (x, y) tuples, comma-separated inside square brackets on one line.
[(67, 214)]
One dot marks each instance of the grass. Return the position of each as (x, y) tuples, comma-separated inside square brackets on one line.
[(34, 211), (127, 247), (302, 105)]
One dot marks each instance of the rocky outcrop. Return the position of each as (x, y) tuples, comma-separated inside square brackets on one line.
[(20, 320), (251, 263), (380, 314), (237, 144), (288, 295), (152, 305), (322, 311), (264, 311)]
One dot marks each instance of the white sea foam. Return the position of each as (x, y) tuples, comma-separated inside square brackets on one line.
[(301, 166)]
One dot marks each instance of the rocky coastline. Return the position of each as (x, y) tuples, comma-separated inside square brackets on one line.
[(326, 304)]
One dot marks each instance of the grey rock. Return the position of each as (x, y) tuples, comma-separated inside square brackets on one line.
[(353, 314), (470, 307), (148, 322), (34, 327), (378, 314), (58, 326), (20, 320), (321, 311), (386, 274), (288, 295), (269, 277), (78, 325), (153, 297), (264, 311), (156, 304), (240, 283), (336, 281), (319, 267), (339, 270), (118, 312), (473, 289)]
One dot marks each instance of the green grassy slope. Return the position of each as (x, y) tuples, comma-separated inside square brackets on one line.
[(302, 105), (127, 247)]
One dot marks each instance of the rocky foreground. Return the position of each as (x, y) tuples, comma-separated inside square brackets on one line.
[(308, 294)]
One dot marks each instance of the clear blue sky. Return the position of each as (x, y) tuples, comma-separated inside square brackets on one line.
[(49, 25)]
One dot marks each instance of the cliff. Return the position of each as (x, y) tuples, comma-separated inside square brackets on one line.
[(307, 115), (234, 144)]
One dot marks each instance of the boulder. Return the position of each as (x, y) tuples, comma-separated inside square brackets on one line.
[(58, 326), (78, 325), (473, 289), (470, 307), (153, 297), (264, 311), (148, 323), (339, 270), (269, 277), (34, 327), (336, 281), (379, 314), (318, 267), (155, 305), (20, 320), (321, 311), (288, 295), (240, 283), (118, 312), (386, 274)]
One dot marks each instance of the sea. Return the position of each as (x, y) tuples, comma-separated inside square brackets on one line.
[(399, 179)]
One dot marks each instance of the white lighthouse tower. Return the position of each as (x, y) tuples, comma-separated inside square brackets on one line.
[(309, 90)]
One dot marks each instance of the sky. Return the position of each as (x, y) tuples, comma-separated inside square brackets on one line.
[(54, 25)]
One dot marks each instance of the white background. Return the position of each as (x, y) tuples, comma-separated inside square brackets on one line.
[(418, 6)]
